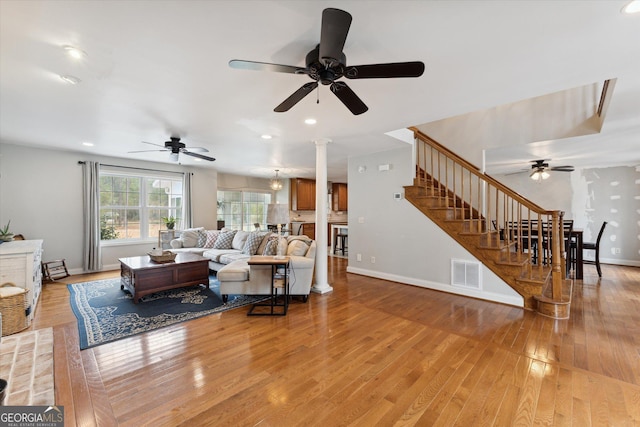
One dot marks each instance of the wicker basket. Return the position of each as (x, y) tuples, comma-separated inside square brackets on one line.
[(167, 256), (15, 311)]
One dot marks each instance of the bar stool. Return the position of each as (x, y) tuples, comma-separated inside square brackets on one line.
[(343, 237)]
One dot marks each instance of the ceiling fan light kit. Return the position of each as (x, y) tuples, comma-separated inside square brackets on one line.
[(539, 175), (540, 169), (327, 63)]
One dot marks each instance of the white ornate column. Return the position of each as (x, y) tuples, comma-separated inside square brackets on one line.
[(322, 285)]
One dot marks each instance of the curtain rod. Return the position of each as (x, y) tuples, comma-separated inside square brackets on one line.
[(80, 162)]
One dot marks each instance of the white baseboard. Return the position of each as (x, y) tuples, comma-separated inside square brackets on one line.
[(627, 262), (489, 296)]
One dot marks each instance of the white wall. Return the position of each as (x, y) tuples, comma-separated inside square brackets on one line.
[(41, 193), (407, 246), (558, 115)]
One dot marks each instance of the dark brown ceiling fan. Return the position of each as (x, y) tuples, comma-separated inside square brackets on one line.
[(540, 169), (327, 63), (175, 147), (542, 165)]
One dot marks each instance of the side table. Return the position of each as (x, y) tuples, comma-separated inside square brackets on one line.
[(278, 280)]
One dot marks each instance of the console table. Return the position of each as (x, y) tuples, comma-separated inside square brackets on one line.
[(278, 280)]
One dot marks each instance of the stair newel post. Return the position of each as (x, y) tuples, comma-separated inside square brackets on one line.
[(529, 245), (518, 215), (481, 207), (556, 264), (540, 240), (498, 222), (563, 250)]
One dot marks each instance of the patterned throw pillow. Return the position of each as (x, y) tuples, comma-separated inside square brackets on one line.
[(224, 240), (202, 238), (212, 235), (252, 243), (271, 247)]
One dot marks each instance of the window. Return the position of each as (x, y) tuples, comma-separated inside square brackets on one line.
[(241, 209), (132, 205)]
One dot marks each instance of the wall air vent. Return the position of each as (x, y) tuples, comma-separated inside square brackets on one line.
[(465, 274)]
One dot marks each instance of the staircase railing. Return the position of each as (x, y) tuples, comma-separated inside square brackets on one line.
[(528, 233)]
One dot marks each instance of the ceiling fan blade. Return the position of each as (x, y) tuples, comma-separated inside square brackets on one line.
[(383, 71), (335, 27), (348, 98), (562, 168), (198, 149), (146, 151), (265, 66), (151, 143), (200, 156), (296, 97)]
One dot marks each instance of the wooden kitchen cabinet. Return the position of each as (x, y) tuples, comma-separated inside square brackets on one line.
[(309, 230), (339, 197), (303, 194)]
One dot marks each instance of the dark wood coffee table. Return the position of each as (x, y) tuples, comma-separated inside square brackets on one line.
[(141, 276)]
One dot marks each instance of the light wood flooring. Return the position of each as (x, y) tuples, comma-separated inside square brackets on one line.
[(372, 352)]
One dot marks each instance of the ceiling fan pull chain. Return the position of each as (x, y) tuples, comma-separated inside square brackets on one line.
[(318, 96)]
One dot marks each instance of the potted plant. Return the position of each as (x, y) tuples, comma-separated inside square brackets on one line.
[(170, 222), (5, 234)]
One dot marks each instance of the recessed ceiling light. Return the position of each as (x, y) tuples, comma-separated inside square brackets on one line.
[(310, 121), (265, 136), (632, 7), (88, 144), (74, 52), (70, 79)]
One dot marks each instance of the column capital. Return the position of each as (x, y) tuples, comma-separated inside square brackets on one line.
[(322, 141)]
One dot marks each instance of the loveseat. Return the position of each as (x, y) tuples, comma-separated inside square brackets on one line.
[(229, 250)]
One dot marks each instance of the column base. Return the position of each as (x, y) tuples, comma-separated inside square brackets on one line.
[(318, 289)]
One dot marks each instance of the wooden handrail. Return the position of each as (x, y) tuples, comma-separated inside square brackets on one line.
[(476, 171)]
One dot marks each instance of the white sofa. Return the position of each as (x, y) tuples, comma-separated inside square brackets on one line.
[(229, 260), (240, 278)]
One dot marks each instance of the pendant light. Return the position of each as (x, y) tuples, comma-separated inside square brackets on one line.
[(276, 183)]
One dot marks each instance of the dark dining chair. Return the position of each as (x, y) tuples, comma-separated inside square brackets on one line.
[(594, 247)]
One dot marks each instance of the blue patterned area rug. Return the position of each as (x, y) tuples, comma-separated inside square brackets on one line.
[(106, 313)]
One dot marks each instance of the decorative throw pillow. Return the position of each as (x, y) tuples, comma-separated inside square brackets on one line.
[(202, 238), (239, 240), (189, 238), (271, 248), (212, 235), (297, 248), (224, 240), (252, 243), (265, 239)]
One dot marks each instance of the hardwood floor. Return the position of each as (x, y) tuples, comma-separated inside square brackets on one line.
[(371, 352)]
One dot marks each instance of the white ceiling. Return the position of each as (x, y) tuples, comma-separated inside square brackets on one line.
[(160, 68)]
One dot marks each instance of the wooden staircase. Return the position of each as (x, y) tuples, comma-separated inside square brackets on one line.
[(495, 224)]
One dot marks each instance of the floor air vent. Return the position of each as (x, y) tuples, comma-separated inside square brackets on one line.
[(465, 273)]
